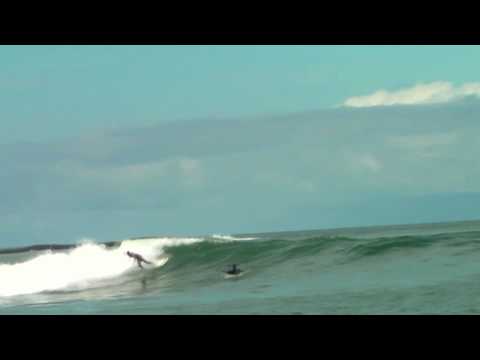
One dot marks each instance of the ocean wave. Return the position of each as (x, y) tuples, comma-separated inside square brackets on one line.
[(199, 261)]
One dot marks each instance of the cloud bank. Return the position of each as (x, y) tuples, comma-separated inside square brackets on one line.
[(432, 93), (306, 170)]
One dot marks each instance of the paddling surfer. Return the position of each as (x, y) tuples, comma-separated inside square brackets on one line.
[(234, 270)]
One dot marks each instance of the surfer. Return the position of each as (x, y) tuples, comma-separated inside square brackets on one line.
[(234, 270), (138, 258)]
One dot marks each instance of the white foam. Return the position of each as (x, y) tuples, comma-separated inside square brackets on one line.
[(153, 245), (231, 238), (81, 267)]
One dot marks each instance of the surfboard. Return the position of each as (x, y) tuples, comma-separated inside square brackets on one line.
[(234, 276)]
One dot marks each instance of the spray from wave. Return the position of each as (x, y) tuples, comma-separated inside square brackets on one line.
[(231, 238)]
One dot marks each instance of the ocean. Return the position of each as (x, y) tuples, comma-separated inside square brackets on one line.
[(402, 269)]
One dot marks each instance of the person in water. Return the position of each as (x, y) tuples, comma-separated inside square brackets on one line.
[(138, 258), (234, 270)]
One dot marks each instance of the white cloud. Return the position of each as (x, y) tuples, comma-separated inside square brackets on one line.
[(134, 174), (367, 162), (191, 171), (423, 141), (184, 169), (370, 162), (306, 186), (436, 92), (189, 166), (426, 145)]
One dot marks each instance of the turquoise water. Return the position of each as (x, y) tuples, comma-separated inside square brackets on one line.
[(409, 269)]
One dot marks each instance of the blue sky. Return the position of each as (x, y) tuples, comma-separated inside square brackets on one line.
[(49, 92), (117, 141)]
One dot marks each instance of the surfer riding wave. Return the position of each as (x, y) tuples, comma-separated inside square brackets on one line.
[(138, 258)]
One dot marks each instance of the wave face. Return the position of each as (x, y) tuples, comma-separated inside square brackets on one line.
[(324, 270)]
